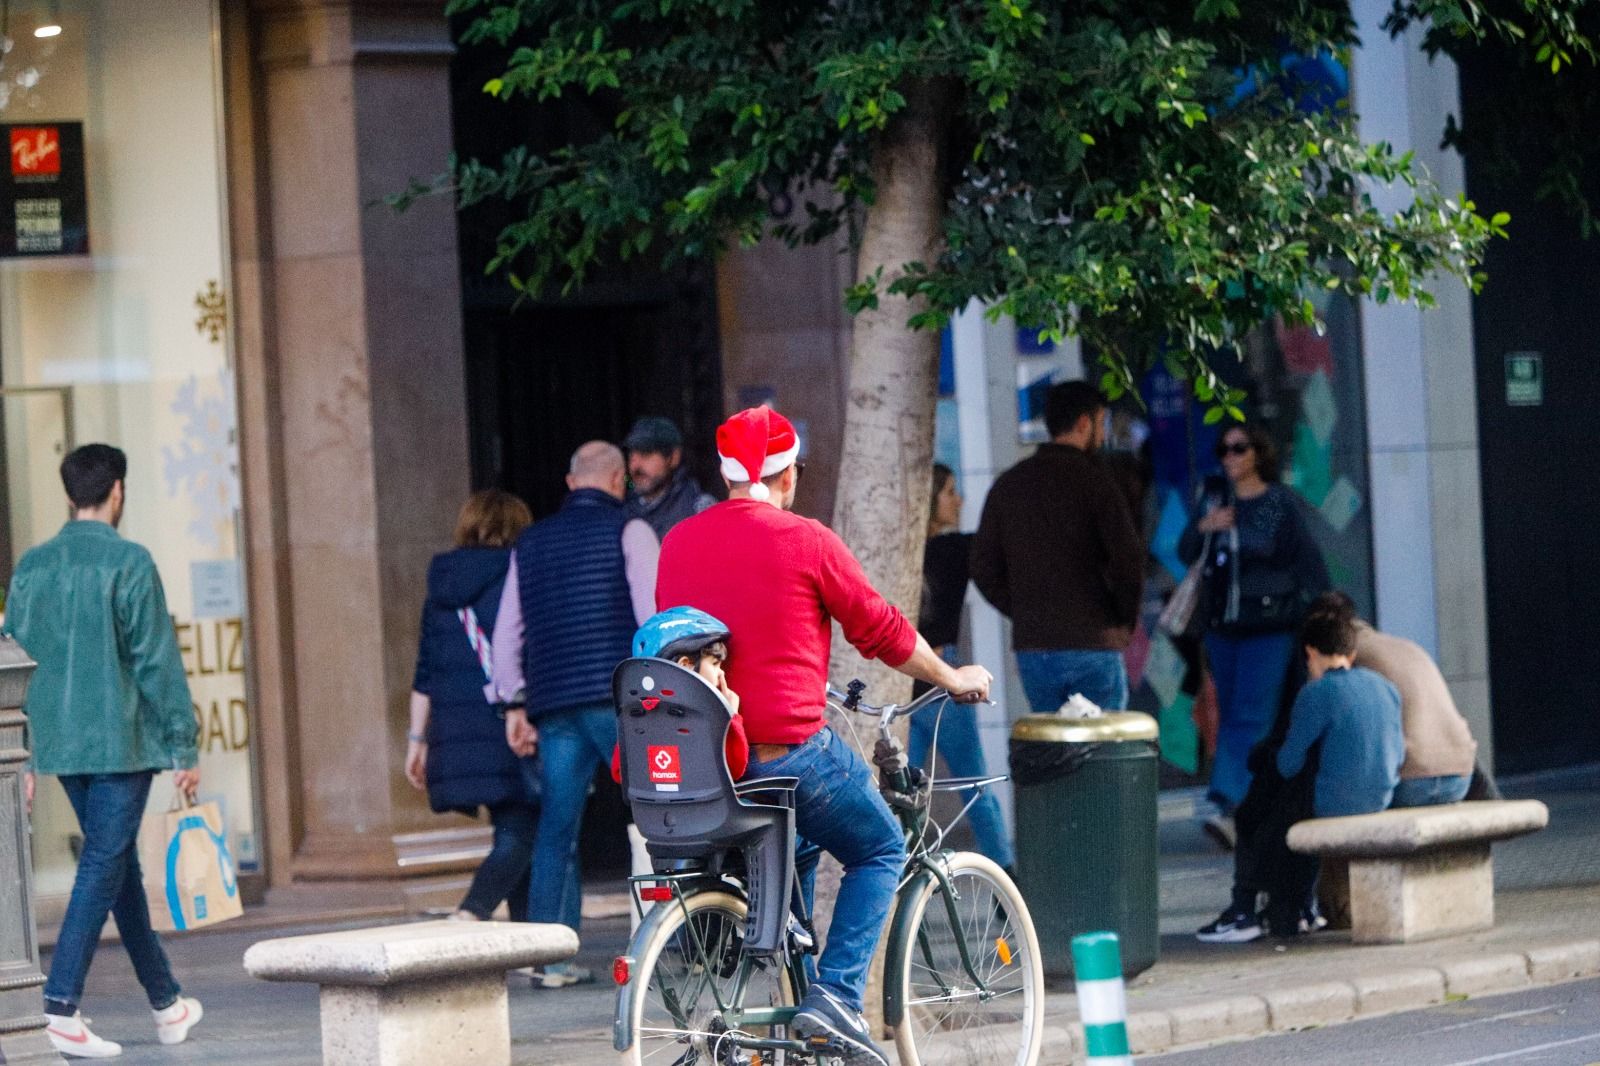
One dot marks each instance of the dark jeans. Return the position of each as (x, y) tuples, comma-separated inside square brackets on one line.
[(573, 744), (837, 809), (1250, 672), (506, 870), (1430, 791), (1049, 678), (109, 808), (503, 874), (957, 727)]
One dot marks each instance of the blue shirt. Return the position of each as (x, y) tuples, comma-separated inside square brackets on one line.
[(1356, 715)]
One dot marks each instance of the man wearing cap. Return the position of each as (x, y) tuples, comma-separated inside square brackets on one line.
[(663, 493), (779, 581)]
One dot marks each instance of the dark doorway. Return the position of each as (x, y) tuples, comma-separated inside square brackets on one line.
[(544, 376), (1541, 501)]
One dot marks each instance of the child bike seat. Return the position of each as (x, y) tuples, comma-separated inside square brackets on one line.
[(671, 728)]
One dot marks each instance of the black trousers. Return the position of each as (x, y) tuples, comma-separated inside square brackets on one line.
[(1262, 861)]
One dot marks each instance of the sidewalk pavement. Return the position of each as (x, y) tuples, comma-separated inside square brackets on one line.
[(1548, 929)]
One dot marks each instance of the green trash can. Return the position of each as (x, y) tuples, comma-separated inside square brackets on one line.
[(1086, 832)]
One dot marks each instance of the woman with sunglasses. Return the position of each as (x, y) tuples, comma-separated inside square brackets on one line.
[(1262, 568)]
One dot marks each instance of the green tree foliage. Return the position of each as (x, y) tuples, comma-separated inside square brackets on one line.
[(1534, 124), (1104, 178)]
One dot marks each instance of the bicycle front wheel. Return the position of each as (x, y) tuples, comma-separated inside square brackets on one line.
[(987, 1008), (694, 978)]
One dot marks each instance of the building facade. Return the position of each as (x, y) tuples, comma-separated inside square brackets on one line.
[(211, 284), (198, 267)]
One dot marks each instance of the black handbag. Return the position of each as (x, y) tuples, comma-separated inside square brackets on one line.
[(1269, 601)]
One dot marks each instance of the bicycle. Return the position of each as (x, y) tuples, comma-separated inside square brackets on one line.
[(963, 980)]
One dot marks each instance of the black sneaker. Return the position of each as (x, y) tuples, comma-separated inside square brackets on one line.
[(1232, 927), (825, 1023)]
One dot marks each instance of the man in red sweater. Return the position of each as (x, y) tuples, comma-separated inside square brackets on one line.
[(778, 581)]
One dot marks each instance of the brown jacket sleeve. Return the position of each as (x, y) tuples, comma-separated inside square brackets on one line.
[(1124, 573), (988, 559)]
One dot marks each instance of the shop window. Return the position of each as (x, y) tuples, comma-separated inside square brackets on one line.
[(114, 327)]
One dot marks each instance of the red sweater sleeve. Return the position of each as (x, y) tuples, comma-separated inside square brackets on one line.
[(871, 623)]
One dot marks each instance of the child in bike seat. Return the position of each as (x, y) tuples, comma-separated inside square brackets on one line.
[(698, 642)]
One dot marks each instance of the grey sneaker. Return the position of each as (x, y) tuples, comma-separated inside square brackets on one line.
[(560, 975), (1220, 828), (826, 1023)]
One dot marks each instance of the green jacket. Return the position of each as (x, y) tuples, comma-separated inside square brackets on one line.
[(109, 695)]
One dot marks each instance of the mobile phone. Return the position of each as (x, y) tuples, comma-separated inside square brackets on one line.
[(1217, 491)]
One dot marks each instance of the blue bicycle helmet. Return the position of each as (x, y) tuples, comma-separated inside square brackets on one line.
[(677, 631)]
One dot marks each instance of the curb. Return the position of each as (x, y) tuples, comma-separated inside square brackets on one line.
[(1287, 1010)]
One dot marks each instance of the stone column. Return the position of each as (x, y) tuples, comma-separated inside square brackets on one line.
[(353, 411), (22, 1037), (1422, 411)]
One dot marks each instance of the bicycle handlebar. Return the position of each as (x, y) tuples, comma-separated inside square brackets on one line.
[(851, 701)]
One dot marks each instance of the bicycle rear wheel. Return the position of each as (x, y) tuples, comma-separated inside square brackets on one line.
[(690, 959), (948, 1017)]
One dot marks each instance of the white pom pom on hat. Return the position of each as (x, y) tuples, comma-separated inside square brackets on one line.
[(756, 443)]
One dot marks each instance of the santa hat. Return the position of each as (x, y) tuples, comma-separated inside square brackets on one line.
[(754, 444)]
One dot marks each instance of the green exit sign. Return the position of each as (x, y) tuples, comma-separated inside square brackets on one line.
[(1524, 379)]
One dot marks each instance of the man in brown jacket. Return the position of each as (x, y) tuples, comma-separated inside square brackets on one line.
[(1440, 751), (1057, 552)]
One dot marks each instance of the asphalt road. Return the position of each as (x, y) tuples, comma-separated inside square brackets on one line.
[(1554, 1026)]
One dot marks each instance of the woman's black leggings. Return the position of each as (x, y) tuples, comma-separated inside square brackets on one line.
[(504, 873)]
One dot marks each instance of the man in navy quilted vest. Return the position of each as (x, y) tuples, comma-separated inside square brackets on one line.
[(581, 581)]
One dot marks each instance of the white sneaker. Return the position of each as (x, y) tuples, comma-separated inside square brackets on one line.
[(174, 1023), (71, 1037)]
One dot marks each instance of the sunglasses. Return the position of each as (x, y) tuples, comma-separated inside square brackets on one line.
[(1237, 448), (799, 468)]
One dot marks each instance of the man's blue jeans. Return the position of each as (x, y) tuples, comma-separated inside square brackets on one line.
[(573, 744), (109, 808), (837, 809), (1050, 677), (1431, 791), (962, 751), (1249, 673)]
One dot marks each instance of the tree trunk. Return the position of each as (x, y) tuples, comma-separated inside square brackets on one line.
[(881, 509)]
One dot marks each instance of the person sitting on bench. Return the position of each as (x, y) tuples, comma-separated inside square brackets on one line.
[(1352, 716)]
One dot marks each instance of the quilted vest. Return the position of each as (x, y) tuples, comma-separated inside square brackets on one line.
[(577, 616)]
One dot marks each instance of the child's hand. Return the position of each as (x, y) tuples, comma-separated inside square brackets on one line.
[(728, 694)]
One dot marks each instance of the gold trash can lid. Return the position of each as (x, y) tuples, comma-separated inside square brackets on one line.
[(1109, 728)]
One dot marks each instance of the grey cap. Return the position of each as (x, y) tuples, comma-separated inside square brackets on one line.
[(653, 433)]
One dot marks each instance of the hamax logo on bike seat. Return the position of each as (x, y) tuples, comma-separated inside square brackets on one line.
[(666, 772)]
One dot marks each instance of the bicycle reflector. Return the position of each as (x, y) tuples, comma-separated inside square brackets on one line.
[(1003, 950), (621, 969), (655, 893)]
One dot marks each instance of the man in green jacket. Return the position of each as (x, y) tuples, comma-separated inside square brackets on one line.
[(108, 708)]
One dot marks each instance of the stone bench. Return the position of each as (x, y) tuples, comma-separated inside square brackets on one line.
[(421, 994), (1418, 872)]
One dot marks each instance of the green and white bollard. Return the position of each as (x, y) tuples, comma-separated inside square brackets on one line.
[(1102, 1000)]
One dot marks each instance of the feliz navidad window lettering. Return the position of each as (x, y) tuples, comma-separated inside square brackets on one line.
[(215, 649)]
